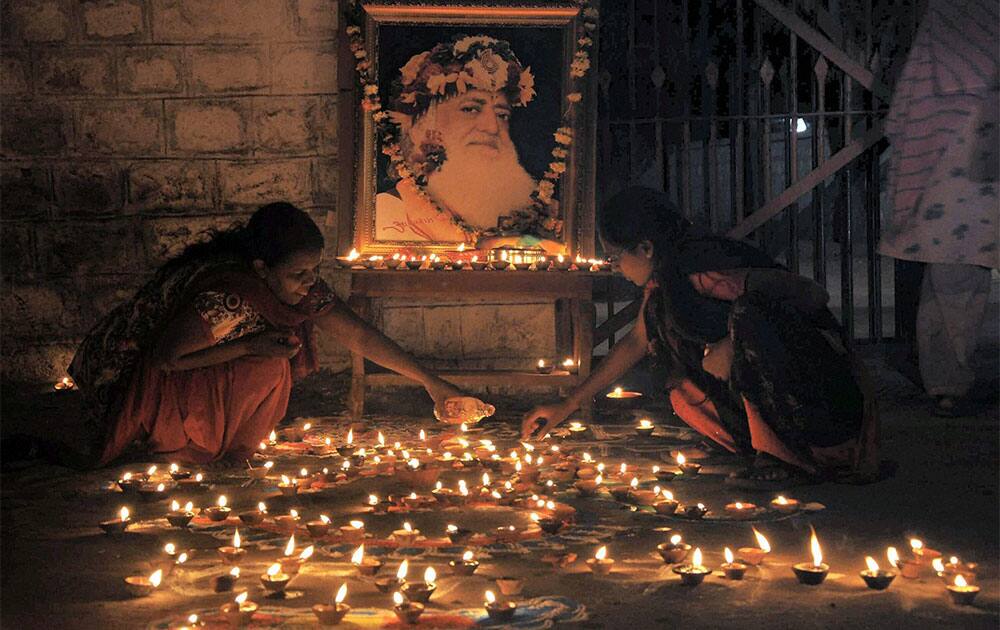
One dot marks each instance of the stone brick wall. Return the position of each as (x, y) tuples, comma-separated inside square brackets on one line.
[(128, 128)]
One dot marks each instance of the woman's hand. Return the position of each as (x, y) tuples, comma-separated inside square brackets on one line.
[(543, 419), (273, 343)]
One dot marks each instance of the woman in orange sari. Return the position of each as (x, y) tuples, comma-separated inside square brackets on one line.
[(753, 359), (199, 364)]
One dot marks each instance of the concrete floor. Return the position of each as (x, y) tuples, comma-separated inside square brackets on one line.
[(58, 570)]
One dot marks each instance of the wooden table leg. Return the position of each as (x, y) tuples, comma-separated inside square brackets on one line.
[(356, 395), (583, 345)]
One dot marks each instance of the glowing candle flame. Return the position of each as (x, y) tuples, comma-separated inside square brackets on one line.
[(160, 487), (430, 575), (696, 557), (541, 363), (307, 426), (273, 570), (681, 460), (170, 549), (372, 499), (181, 559), (668, 495), (290, 547), (817, 553), (601, 554), (381, 439), (467, 556), (192, 619), (241, 598), (634, 483), (403, 568), (675, 539), (490, 597), (534, 517), (174, 468), (423, 436), (151, 470), (872, 565), (761, 541), (953, 560), (127, 476), (188, 506), (306, 553), (261, 508), (568, 363), (414, 463), (353, 254), (729, 555), (781, 500), (236, 539), (175, 506), (938, 565), (341, 594), (269, 465), (618, 392), (235, 572), (325, 519), (397, 598), (359, 555), (357, 524), (222, 501), (738, 505), (407, 526), (273, 436), (156, 577), (293, 513), (303, 473), (960, 581), (486, 479), (916, 544), (893, 556), (645, 424), (123, 513), (598, 480)]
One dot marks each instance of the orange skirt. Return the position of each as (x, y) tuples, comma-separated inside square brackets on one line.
[(199, 416)]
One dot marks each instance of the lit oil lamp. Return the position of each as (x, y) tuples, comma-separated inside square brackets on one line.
[(875, 579), (407, 535), (549, 525), (253, 517), (466, 566), (588, 487), (947, 571), (129, 482), (570, 365), (695, 511), (741, 510), (544, 367), (64, 383), (332, 615), (476, 264), (687, 468), (645, 428), (909, 568), (458, 535), (692, 574), (755, 555), (733, 570), (421, 592), (498, 612), (274, 581), (644, 497), (784, 505), (408, 612), (288, 523), (812, 573), (177, 473), (365, 565), (143, 586), (319, 527), (962, 593), (152, 492), (562, 263), (674, 551), (233, 555), (218, 512), (413, 263), (662, 474), (352, 532), (116, 527), (666, 504), (577, 429), (193, 484), (260, 472), (290, 563), (288, 487), (923, 553), (180, 518), (601, 564), (240, 611), (227, 581), (388, 583), (623, 398)]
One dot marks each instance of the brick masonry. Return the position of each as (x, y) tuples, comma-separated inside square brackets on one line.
[(131, 127)]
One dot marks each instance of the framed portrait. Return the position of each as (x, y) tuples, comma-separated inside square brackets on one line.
[(474, 124)]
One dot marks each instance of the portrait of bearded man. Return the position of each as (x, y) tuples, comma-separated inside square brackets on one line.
[(453, 105)]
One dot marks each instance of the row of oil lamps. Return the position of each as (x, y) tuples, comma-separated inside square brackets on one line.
[(503, 262)]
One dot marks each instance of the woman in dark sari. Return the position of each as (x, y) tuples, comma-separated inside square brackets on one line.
[(753, 359), (199, 364)]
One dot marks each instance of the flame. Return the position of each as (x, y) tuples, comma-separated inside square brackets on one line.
[(486, 479), (161, 487), (290, 547), (222, 501), (953, 560), (960, 581), (541, 363), (738, 505), (293, 513), (634, 483), (618, 392), (675, 539), (235, 572), (353, 254), (598, 480), (359, 555), (938, 565), (274, 569), (127, 476), (681, 459), (123, 513), (262, 508), (325, 519), (181, 559), (303, 473), (357, 524), (174, 468), (241, 598), (696, 557), (328, 441), (893, 556), (407, 526), (397, 598), (568, 363), (341, 594), (645, 424), (273, 436), (269, 465), (188, 506), (761, 541), (872, 565), (430, 575), (817, 553), (170, 549), (414, 463), (175, 506), (306, 553), (781, 500), (490, 597), (307, 426), (403, 568), (729, 555), (601, 554), (381, 439), (236, 539), (916, 544), (534, 517), (192, 619), (668, 495), (156, 577), (151, 470), (467, 556)]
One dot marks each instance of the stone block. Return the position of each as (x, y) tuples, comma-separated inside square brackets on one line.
[(35, 21), (34, 360), (113, 20), (98, 295), (74, 71), (405, 326), (48, 309), (218, 70), (218, 126), (26, 190), (150, 70), (257, 183), (212, 20), (14, 72), (34, 127), (327, 124), (89, 188), (17, 251), (305, 69), (171, 185), (316, 18), (88, 247), (508, 336), (121, 128), (443, 331), (285, 125), (325, 176), (164, 238)]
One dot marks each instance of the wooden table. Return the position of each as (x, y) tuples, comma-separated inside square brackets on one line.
[(572, 292)]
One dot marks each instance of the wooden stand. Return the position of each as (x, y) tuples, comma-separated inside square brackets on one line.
[(571, 290)]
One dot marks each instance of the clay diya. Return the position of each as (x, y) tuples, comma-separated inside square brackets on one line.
[(731, 569), (601, 564), (962, 593), (813, 573), (219, 512), (499, 612), (365, 565), (143, 586), (874, 578), (239, 612), (274, 581), (235, 553), (693, 574), (420, 592), (544, 367), (784, 505), (180, 518), (331, 615), (319, 527), (408, 612), (226, 582), (675, 551), (466, 566), (116, 527)]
